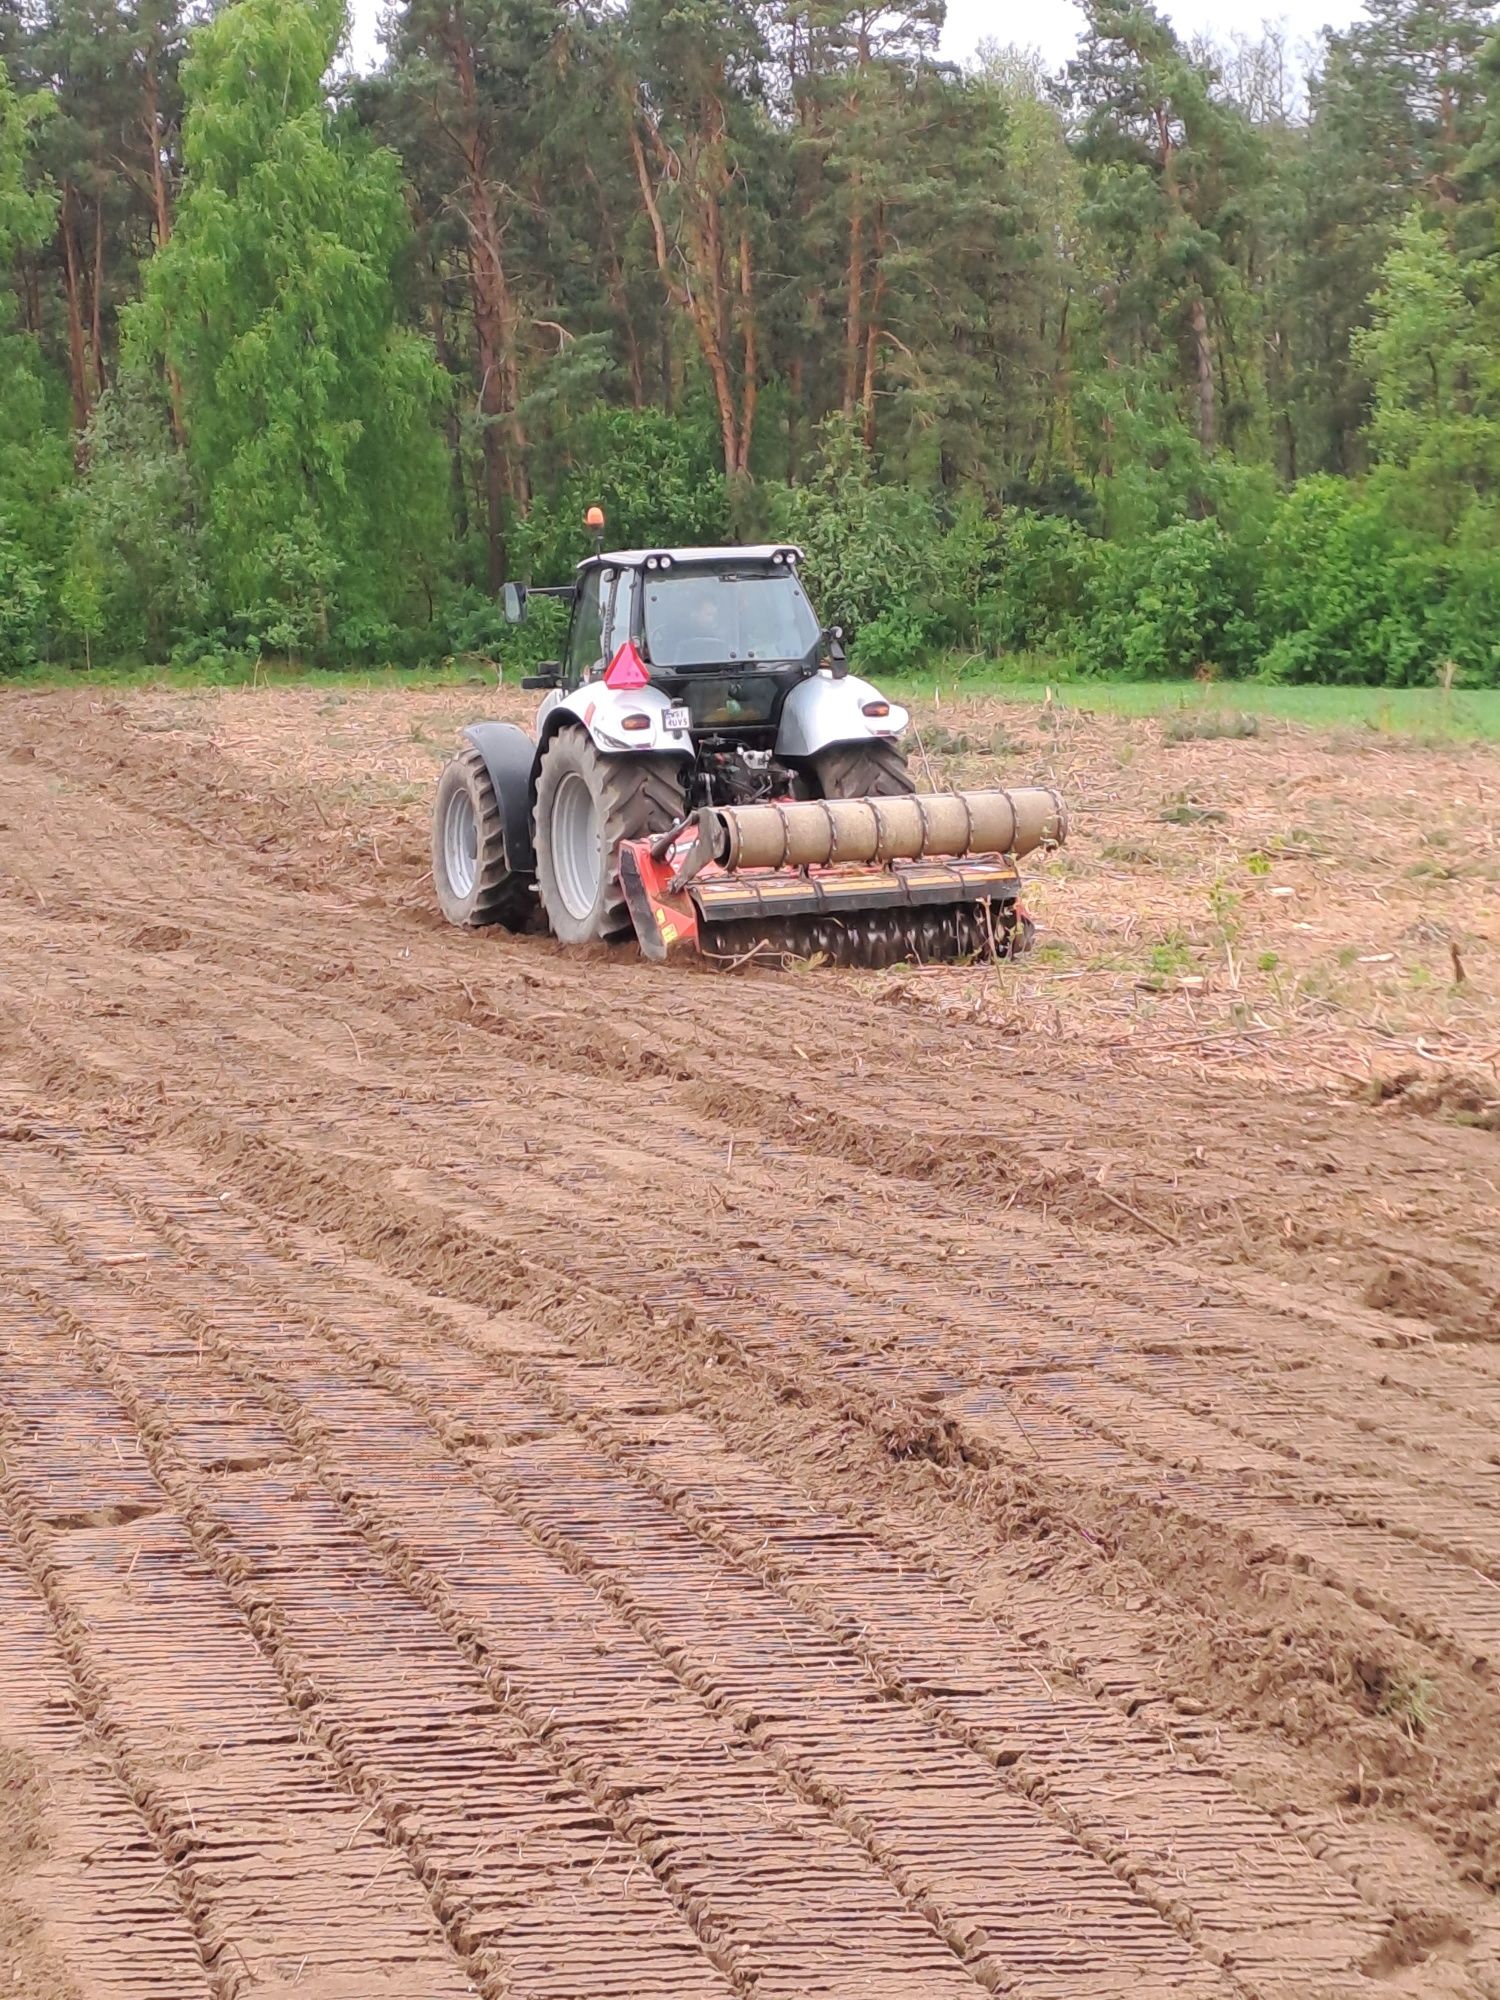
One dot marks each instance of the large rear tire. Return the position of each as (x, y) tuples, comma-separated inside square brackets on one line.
[(873, 770), (475, 884), (586, 804)]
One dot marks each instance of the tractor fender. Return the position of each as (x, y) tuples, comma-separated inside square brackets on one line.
[(822, 711), (509, 755), (601, 711)]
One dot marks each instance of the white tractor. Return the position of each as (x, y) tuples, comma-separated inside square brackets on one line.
[(707, 773)]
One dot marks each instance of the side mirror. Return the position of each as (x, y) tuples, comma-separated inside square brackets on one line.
[(513, 598), (547, 675), (838, 659)]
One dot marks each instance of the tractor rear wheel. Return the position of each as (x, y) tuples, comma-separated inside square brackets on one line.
[(873, 770), (586, 804), (475, 884)]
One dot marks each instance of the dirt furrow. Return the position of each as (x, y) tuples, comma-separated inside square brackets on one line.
[(1440, 1598), (88, 1905), (649, 1766), (406, 1719), (1387, 1685), (1095, 1773), (754, 1485), (938, 1303), (274, 1866), (579, 1394), (814, 1747), (884, 1097)]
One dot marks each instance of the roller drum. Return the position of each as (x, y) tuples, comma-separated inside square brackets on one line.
[(913, 826)]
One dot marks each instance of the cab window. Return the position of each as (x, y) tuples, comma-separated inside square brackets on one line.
[(585, 634)]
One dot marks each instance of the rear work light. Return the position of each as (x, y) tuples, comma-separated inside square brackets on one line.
[(627, 669)]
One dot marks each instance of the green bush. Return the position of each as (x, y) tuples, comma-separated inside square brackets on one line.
[(23, 607), (872, 550), (655, 475), (134, 576), (1046, 568), (897, 642), (1169, 604), (1337, 597), (901, 579)]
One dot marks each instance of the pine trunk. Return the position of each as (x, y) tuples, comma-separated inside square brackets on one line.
[(77, 357), (854, 326), (494, 317), (1207, 396), (96, 297), (161, 207)]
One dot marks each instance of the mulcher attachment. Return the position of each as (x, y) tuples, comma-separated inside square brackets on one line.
[(921, 876)]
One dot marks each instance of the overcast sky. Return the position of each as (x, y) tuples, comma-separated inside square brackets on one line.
[(1049, 25)]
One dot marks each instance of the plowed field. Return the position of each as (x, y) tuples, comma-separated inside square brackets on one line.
[(529, 1475)]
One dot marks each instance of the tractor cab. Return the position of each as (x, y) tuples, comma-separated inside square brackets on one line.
[(724, 633)]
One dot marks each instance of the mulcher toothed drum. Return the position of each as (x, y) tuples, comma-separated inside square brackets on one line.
[(877, 881)]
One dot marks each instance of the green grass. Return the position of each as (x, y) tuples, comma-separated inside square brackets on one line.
[(1191, 709), (268, 673), (1421, 713)]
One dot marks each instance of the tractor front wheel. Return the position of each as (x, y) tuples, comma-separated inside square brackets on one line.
[(586, 804)]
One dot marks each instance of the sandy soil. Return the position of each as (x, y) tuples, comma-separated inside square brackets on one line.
[(529, 1475)]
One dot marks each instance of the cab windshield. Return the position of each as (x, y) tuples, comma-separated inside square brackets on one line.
[(706, 618)]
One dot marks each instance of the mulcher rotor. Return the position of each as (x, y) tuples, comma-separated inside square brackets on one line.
[(926, 877)]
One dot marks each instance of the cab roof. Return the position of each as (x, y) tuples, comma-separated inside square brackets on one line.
[(759, 552)]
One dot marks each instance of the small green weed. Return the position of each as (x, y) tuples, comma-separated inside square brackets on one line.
[(1173, 954), (1225, 906), (1133, 851), (1208, 725), (1411, 1700)]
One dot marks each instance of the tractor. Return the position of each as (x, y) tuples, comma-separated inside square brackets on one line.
[(707, 774)]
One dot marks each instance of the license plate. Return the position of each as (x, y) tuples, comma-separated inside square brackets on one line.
[(677, 718)]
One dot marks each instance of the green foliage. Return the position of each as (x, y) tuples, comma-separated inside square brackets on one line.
[(309, 413), (1169, 604), (655, 476), (1156, 368), (880, 561), (22, 606), (134, 568), (1048, 566), (35, 462), (1343, 596), (1432, 357)]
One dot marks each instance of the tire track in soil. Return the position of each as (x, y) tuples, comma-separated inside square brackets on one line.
[(1052, 1927), (273, 1866), (392, 1047), (930, 1300), (272, 838), (1175, 1557), (1455, 1597), (145, 1188), (932, 1653), (409, 1724), (933, 1159), (87, 1903), (283, 1191)]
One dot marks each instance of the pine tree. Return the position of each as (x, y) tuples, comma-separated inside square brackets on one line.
[(1167, 167)]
